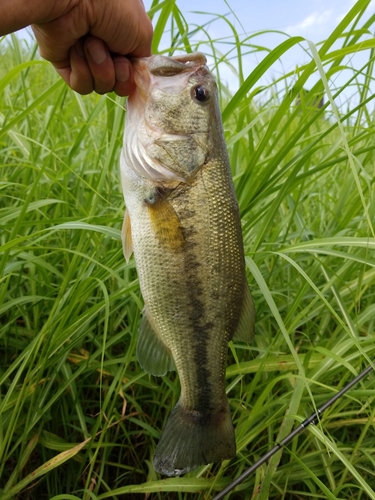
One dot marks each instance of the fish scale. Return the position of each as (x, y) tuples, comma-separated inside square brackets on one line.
[(184, 225)]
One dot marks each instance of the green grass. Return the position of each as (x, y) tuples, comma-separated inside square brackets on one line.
[(79, 419)]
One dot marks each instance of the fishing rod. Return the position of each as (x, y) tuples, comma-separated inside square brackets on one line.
[(311, 420)]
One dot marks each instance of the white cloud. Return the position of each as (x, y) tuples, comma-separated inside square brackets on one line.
[(314, 21)]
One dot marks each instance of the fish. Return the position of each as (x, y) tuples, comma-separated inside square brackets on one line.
[(182, 222)]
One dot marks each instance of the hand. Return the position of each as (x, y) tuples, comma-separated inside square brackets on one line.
[(87, 41)]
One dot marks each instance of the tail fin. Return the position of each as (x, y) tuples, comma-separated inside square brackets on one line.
[(191, 438)]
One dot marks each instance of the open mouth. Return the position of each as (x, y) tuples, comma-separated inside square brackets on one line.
[(161, 66), (171, 66)]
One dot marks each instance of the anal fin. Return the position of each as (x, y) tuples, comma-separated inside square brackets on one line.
[(246, 326), (153, 355)]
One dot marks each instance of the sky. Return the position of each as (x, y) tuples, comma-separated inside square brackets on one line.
[(311, 19)]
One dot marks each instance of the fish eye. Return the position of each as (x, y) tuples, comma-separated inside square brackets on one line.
[(200, 93)]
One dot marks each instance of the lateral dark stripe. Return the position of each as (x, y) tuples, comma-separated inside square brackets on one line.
[(201, 329)]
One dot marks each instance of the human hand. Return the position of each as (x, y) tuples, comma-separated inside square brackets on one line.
[(87, 41)]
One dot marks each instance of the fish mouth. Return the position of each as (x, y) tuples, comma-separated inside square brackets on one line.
[(147, 69), (172, 66), (159, 65)]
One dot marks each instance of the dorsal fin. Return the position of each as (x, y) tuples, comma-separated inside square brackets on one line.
[(246, 325)]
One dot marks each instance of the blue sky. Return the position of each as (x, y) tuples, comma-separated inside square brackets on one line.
[(311, 19)]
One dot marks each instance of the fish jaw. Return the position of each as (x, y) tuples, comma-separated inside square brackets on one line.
[(146, 68)]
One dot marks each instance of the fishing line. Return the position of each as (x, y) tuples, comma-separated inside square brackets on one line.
[(311, 420)]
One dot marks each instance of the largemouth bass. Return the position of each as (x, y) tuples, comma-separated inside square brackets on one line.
[(182, 222)]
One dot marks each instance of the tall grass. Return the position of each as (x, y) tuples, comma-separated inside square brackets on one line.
[(79, 419)]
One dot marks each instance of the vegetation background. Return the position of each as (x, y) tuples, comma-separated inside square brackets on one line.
[(79, 419)]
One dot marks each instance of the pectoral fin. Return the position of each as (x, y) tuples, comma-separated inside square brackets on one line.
[(126, 237), (153, 355), (246, 325), (166, 225)]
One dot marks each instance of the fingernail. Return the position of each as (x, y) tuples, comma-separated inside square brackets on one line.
[(97, 51), (122, 72)]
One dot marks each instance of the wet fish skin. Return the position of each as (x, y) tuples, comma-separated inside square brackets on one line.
[(184, 227)]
